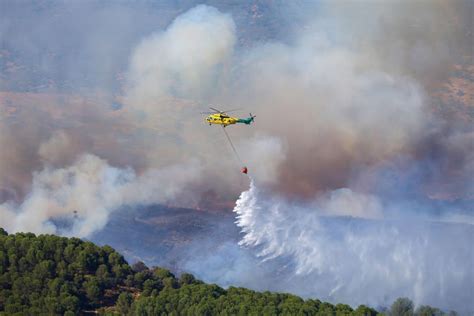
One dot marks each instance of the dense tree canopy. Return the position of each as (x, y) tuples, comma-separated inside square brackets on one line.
[(54, 275)]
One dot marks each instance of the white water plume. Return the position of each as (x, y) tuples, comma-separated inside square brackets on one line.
[(359, 260)]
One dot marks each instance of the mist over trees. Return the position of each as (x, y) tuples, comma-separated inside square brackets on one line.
[(53, 275)]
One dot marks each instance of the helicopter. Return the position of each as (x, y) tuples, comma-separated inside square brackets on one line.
[(222, 118)]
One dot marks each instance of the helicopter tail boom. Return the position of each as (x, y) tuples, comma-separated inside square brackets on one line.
[(247, 120)]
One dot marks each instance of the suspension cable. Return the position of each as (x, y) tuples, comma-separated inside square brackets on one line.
[(232, 145)]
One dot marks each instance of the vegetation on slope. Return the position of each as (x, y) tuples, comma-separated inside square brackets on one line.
[(56, 275), (53, 275)]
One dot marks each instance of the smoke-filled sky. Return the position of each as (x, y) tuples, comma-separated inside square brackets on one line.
[(364, 110)]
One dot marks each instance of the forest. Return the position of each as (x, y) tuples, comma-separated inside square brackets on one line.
[(48, 274)]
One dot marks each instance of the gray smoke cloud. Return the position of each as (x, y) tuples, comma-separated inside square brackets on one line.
[(348, 124)]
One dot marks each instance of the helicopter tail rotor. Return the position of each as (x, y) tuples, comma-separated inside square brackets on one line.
[(252, 117)]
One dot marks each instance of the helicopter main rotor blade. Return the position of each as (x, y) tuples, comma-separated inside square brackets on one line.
[(218, 111), (233, 110), (225, 111)]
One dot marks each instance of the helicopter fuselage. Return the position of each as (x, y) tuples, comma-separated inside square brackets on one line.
[(224, 120), (221, 119)]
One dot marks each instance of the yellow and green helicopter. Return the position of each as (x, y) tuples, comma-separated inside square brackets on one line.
[(223, 119), (219, 117)]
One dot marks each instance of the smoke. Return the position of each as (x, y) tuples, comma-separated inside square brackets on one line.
[(73, 161), (352, 91), (338, 118), (186, 60), (418, 39), (336, 106), (77, 200)]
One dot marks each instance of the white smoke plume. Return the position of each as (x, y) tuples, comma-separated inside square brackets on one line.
[(186, 60), (78, 200)]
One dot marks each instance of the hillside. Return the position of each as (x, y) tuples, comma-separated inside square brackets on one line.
[(47, 274)]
